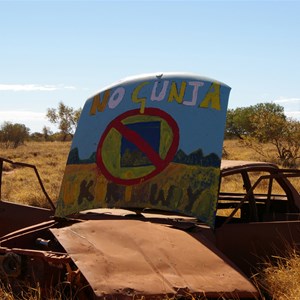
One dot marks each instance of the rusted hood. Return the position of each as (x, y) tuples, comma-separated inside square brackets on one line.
[(131, 257)]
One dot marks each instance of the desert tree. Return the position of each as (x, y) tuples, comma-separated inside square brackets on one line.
[(282, 133), (65, 118), (266, 123), (46, 133), (13, 135), (238, 122), (241, 122)]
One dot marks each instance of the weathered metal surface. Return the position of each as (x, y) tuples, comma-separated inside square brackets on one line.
[(235, 164), (25, 238), (248, 245), (143, 142), (14, 216), (27, 268), (262, 223), (129, 257)]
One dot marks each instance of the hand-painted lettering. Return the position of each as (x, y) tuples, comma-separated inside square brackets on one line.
[(116, 97), (182, 92), (162, 93), (212, 98), (99, 105), (196, 85), (136, 99), (174, 95)]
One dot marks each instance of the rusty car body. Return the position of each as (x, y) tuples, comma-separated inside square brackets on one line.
[(150, 248), (264, 212)]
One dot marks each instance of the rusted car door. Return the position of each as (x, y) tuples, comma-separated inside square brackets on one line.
[(247, 244), (263, 218), (15, 216)]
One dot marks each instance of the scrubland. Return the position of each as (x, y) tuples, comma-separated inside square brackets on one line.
[(21, 184), (281, 279)]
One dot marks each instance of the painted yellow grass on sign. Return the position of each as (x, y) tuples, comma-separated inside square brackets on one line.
[(176, 188)]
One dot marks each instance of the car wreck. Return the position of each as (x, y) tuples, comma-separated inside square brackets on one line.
[(144, 210)]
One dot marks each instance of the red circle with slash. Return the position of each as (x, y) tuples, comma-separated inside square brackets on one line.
[(132, 136)]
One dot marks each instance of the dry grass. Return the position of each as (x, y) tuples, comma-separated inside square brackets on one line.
[(280, 279), (21, 184), (30, 294), (236, 150), (50, 158), (62, 292)]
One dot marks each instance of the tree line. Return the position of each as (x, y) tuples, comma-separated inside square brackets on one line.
[(266, 123), (64, 117), (253, 125)]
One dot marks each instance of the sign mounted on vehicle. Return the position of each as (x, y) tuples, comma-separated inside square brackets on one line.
[(153, 141)]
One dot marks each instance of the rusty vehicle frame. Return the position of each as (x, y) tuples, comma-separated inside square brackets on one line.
[(143, 210), (31, 251), (268, 225)]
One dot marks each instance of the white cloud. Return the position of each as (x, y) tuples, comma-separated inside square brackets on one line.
[(35, 121), (18, 116), (293, 114), (33, 87), (287, 100)]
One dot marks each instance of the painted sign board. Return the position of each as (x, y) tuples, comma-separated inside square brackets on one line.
[(152, 141)]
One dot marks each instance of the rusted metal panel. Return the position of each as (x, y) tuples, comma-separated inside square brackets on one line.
[(16, 216), (26, 237), (248, 245), (24, 268), (234, 166), (131, 257)]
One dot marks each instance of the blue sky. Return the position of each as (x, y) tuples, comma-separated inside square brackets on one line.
[(52, 51)]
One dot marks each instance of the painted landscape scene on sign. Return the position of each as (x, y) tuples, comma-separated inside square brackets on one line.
[(149, 142)]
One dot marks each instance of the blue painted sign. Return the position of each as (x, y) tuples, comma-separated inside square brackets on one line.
[(151, 141)]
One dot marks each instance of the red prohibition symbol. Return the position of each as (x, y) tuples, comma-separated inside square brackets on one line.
[(135, 138)]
